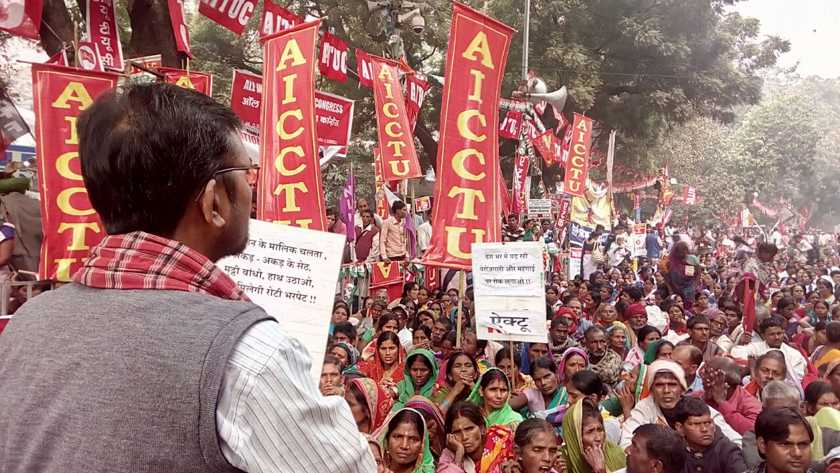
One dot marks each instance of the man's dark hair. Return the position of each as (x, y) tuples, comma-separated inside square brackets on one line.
[(589, 382), (773, 425), (697, 319), (146, 152), (397, 205), (367, 212), (690, 407), (332, 212), (664, 445), (346, 328), (560, 322), (633, 292), (444, 321), (771, 322), (592, 330), (504, 354), (832, 331)]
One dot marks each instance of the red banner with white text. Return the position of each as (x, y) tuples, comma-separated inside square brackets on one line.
[(179, 26), (577, 166), (415, 94), (364, 68), (102, 30), (511, 125), (233, 15), (245, 98), (70, 225), (467, 202), (396, 141), (521, 163), (276, 19), (198, 81), (290, 189), (333, 64), (21, 17)]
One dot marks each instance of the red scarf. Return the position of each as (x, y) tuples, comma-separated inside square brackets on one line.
[(140, 260)]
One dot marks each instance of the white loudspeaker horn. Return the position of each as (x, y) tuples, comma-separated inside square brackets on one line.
[(556, 99)]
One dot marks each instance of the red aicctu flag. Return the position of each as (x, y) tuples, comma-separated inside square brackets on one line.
[(333, 64), (233, 15)]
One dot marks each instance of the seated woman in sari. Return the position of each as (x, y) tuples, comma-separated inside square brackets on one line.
[(465, 437), (530, 352), (434, 422), (547, 394), (368, 402), (461, 371), (419, 375), (644, 336), (386, 323), (387, 365), (586, 448), (491, 393), (536, 449), (349, 357), (405, 443)]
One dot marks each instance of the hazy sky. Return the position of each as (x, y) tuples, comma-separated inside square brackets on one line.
[(812, 27)]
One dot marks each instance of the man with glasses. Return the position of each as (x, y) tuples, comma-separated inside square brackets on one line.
[(153, 358)]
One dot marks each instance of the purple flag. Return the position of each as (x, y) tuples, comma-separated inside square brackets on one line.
[(411, 234), (347, 208)]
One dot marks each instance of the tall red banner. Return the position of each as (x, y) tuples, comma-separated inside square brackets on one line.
[(396, 141), (179, 26), (289, 189), (102, 31), (577, 167), (21, 17), (467, 202), (198, 81), (415, 94), (233, 15), (71, 226), (521, 163)]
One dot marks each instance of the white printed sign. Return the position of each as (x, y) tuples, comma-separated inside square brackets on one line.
[(509, 284), (539, 208), (292, 273)]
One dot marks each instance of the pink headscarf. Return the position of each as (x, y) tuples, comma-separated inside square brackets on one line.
[(561, 369)]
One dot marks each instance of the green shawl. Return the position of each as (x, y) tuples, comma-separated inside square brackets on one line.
[(425, 462), (406, 388), (614, 458), (502, 416)]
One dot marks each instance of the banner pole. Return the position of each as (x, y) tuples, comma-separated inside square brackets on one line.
[(459, 320), (513, 369)]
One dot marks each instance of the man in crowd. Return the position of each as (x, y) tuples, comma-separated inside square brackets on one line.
[(772, 329), (366, 237), (655, 449), (699, 331), (361, 206), (709, 450), (603, 361), (152, 345), (393, 243), (560, 339), (666, 382), (689, 358), (512, 230), (784, 439), (345, 332), (724, 392)]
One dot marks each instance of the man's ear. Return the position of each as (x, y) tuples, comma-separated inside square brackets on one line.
[(761, 445), (679, 427), (209, 204)]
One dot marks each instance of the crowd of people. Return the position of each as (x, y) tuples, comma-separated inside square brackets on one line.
[(648, 365)]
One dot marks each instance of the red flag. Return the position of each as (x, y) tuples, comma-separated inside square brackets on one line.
[(276, 19), (396, 142), (577, 167), (21, 17), (364, 68), (102, 31), (432, 279), (334, 115), (333, 63), (198, 81), (690, 195), (70, 225), (88, 56), (467, 202), (415, 93), (290, 187), (233, 15), (385, 274), (59, 59), (521, 163), (381, 201), (547, 144), (179, 26), (511, 126), (245, 98)]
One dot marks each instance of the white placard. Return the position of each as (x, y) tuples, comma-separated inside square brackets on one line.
[(292, 273), (637, 240), (539, 208), (509, 285)]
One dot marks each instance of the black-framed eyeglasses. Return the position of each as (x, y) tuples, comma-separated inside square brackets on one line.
[(251, 175)]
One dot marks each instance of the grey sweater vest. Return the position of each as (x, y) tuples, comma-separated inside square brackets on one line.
[(105, 380)]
